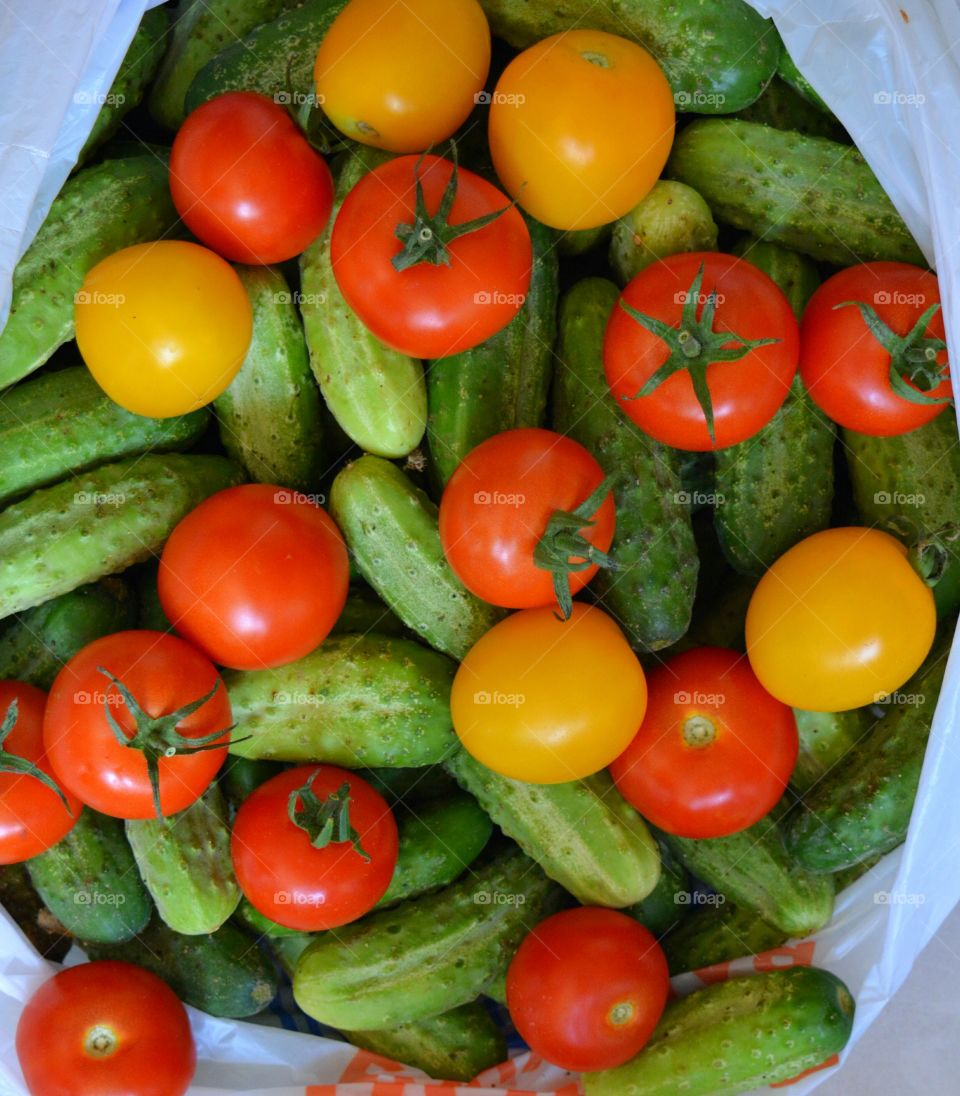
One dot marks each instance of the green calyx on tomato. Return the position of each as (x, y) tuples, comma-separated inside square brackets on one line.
[(931, 553), (563, 549), (325, 821), (914, 370), (694, 345), (20, 766), (157, 736)]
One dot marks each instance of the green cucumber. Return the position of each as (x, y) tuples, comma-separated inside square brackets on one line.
[(261, 925), (825, 737), (269, 417), (501, 384), (671, 218), (288, 948), (427, 955), (419, 785), (454, 1046), (134, 75), (89, 881), (717, 932), (391, 530), (224, 974), (357, 701), (378, 395), (796, 275), (862, 807), (21, 901), (99, 522), (736, 1036), (753, 869), (583, 833), (651, 592), (439, 840), (35, 644), (185, 863), (783, 107), (63, 422), (787, 70), (665, 906), (721, 622), (100, 210), (365, 612), (578, 241), (811, 194), (240, 776), (717, 56)]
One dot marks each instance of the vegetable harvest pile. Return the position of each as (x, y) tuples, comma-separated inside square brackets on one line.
[(445, 559)]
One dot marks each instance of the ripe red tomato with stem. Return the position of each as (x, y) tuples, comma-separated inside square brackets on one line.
[(137, 724), (314, 847), (255, 576), (246, 181), (872, 349), (527, 519), (714, 751), (587, 987), (35, 812), (700, 350), (106, 1028), (432, 258)]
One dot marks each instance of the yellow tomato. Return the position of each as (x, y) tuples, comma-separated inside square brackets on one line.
[(581, 125), (163, 327), (545, 700), (839, 621), (403, 76)]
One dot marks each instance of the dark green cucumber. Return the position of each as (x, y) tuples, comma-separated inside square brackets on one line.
[(583, 834), (665, 906), (811, 194), (21, 901), (501, 384), (783, 107), (578, 241), (365, 612), (862, 807), (825, 737), (241, 775), (427, 955), (651, 592), (753, 869), (717, 56), (439, 840), (259, 924), (184, 861), (63, 423), (717, 932), (721, 620), (150, 612), (269, 417), (99, 522), (35, 644), (736, 1036), (418, 785), (100, 210), (358, 701), (391, 529), (89, 881), (225, 974), (454, 1046), (787, 70), (796, 275)]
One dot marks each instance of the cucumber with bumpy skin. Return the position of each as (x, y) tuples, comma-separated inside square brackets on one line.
[(783, 107), (825, 737), (665, 906), (717, 932)]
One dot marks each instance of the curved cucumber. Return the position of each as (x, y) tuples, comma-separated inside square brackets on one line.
[(783, 107), (787, 70), (825, 737), (665, 906), (796, 275), (355, 701), (716, 933), (420, 784)]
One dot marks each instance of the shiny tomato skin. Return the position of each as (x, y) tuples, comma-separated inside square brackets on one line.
[(746, 394), (496, 507), (255, 576), (297, 885), (430, 311), (32, 818), (246, 182), (845, 369), (163, 673), (587, 987), (732, 766), (142, 1032)]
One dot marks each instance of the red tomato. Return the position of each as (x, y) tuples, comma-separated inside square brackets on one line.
[(255, 576), (291, 880), (498, 504), (246, 181), (105, 1029), (847, 368), (714, 751), (33, 817), (463, 291), (745, 390), (162, 675), (587, 987)]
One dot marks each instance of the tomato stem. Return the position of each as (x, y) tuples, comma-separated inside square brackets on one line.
[(100, 1041), (325, 821), (930, 554), (20, 766), (699, 731)]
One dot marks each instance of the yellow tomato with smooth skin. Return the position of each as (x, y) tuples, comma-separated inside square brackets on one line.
[(546, 700), (581, 125), (403, 76), (163, 327), (839, 621)]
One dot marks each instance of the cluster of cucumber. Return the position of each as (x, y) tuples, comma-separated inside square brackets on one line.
[(320, 406)]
